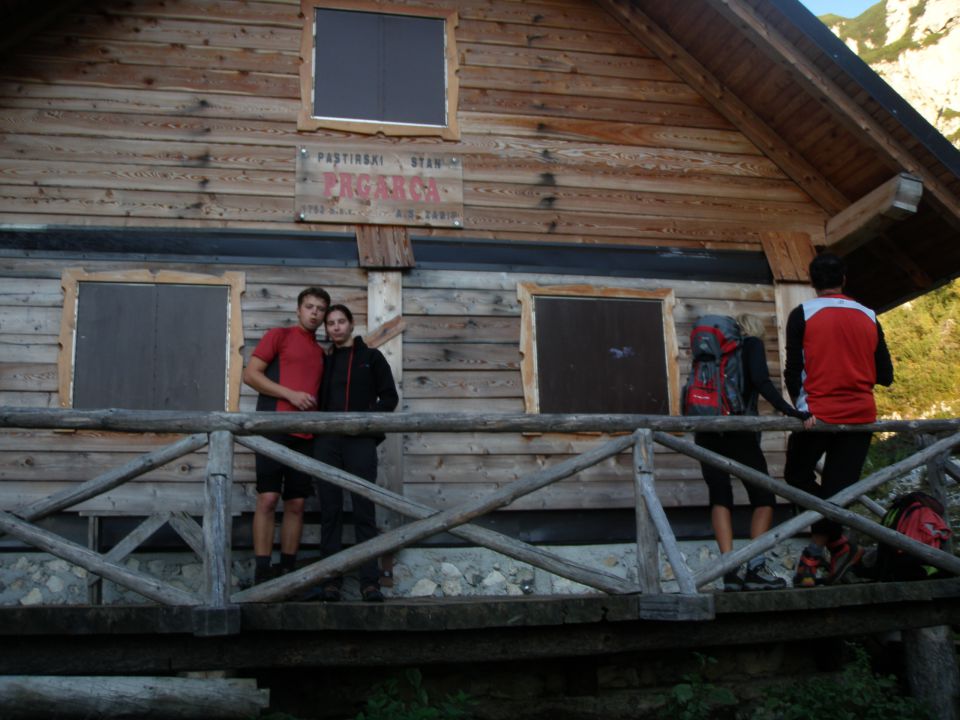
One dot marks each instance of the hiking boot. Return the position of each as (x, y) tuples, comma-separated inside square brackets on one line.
[(811, 570), (262, 575), (844, 554), (760, 578), (372, 593), (732, 582)]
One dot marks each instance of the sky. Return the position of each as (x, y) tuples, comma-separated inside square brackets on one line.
[(843, 8)]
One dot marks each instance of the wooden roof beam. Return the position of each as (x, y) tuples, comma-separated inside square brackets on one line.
[(895, 200), (726, 103), (804, 71)]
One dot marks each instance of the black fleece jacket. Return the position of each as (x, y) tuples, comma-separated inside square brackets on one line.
[(371, 387)]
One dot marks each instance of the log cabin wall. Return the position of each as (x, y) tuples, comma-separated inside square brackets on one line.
[(182, 116)]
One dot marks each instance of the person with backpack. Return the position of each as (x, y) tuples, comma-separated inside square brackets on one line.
[(729, 375), (836, 354)]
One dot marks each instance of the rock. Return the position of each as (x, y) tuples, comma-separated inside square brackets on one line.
[(494, 579), (58, 566), (452, 587), (450, 570), (425, 587), (55, 585), (34, 597)]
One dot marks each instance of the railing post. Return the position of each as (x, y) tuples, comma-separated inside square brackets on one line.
[(648, 554), (655, 515), (216, 616), (937, 481)]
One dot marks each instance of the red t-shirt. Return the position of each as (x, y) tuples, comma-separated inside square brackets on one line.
[(295, 360)]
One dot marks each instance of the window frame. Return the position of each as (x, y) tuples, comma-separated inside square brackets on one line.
[(527, 292), (306, 119), (70, 282)]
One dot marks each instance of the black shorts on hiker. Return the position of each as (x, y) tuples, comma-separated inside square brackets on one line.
[(273, 476), (744, 447)]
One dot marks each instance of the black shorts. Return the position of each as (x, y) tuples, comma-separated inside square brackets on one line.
[(273, 476), (744, 447)]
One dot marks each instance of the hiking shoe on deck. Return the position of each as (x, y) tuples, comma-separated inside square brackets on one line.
[(844, 554), (811, 571), (760, 578), (732, 582)]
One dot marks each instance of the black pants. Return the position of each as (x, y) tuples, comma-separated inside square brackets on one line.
[(744, 447), (845, 455), (357, 456)]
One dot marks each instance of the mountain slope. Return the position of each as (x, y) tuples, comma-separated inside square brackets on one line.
[(915, 46)]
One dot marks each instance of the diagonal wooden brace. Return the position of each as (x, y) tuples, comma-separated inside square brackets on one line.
[(831, 508), (430, 524)]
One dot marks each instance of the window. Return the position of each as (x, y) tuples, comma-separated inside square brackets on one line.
[(598, 350), (140, 340), (367, 71)]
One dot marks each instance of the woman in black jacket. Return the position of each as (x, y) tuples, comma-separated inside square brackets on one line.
[(355, 378)]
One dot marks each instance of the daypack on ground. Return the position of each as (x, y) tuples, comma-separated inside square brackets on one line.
[(918, 516), (715, 385)]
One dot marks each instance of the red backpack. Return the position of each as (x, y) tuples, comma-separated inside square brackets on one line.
[(918, 516), (715, 385)]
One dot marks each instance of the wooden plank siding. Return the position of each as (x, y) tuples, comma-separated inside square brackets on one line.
[(181, 114), (184, 113)]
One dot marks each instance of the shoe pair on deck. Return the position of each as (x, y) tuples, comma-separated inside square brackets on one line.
[(813, 569), (758, 578)]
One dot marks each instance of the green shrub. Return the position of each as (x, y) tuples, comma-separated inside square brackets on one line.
[(857, 694), (388, 701), (696, 699)]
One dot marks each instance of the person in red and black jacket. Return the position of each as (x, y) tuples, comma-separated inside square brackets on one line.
[(285, 369), (836, 354), (358, 378)]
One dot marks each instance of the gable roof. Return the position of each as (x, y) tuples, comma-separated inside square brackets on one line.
[(829, 121)]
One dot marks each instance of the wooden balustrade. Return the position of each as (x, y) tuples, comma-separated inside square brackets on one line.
[(220, 431)]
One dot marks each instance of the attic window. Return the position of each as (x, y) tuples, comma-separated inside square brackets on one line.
[(367, 71), (598, 350)]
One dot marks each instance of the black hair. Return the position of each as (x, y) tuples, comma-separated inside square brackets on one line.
[(316, 292), (827, 271), (342, 308)]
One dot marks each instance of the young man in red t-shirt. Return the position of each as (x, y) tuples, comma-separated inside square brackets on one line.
[(286, 368), (836, 354)]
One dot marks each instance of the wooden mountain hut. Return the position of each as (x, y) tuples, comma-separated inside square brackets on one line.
[(531, 202)]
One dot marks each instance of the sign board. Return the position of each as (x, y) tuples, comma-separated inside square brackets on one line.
[(377, 184)]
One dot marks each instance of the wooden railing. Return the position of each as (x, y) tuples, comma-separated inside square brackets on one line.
[(211, 540)]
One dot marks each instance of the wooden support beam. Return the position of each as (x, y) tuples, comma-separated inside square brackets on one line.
[(483, 537), (888, 254), (789, 255), (820, 86), (188, 529), (727, 104), (28, 697), (140, 582), (643, 451), (384, 246), (386, 332), (442, 521), (133, 540), (216, 520), (831, 508), (895, 200), (932, 673), (648, 552), (99, 485)]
